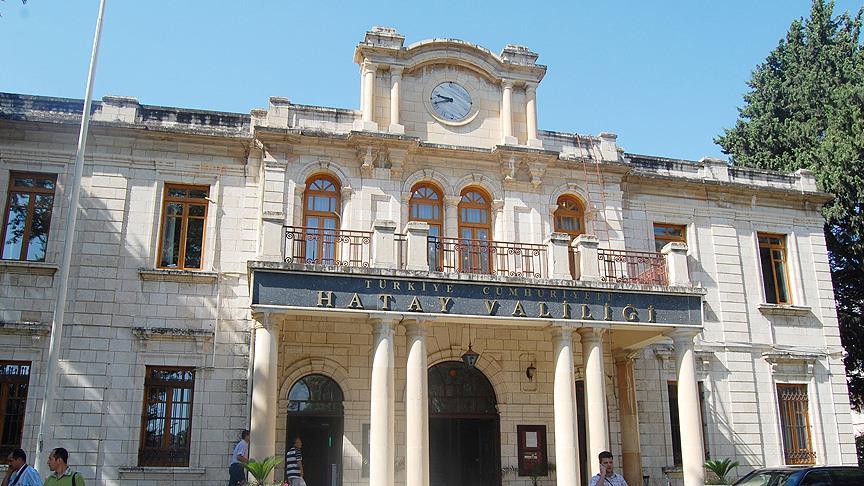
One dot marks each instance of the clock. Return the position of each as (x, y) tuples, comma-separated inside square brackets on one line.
[(451, 101)]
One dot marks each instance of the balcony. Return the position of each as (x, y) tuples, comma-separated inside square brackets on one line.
[(415, 250)]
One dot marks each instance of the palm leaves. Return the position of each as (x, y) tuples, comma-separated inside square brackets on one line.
[(261, 469), (721, 467)]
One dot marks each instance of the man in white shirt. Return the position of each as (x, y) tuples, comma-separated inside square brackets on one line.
[(19, 473), (606, 477), (240, 456)]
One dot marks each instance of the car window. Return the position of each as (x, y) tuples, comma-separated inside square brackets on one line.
[(846, 477), (758, 479), (816, 478)]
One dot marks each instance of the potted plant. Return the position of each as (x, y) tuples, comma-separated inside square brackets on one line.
[(720, 468), (261, 469)]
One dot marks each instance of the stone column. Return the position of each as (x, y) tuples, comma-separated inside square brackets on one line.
[(264, 388), (507, 137), (587, 264), (384, 244), (395, 85), (677, 272), (381, 419), (692, 454), (566, 434), (531, 115), (558, 250), (368, 72), (595, 394), (417, 234), (451, 216), (631, 457), (416, 407)]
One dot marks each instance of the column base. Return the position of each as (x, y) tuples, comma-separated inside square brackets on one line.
[(396, 128), (365, 126), (535, 143), (509, 140)]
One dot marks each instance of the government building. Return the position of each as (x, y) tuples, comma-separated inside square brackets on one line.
[(428, 291)]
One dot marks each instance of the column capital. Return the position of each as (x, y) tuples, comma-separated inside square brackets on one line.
[(497, 205), (396, 71), (383, 326), (625, 356), (681, 336), (417, 327), (530, 88), (368, 66), (562, 333), (507, 83), (592, 334), (452, 200)]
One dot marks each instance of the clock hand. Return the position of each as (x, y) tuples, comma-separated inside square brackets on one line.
[(445, 98)]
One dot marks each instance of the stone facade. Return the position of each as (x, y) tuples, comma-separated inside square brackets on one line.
[(125, 313)]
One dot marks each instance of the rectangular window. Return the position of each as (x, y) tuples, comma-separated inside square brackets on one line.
[(28, 216), (772, 256), (795, 424), (184, 214), (667, 233), (14, 381), (675, 421), (166, 422), (531, 441)]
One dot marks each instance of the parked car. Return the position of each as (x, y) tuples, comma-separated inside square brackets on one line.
[(808, 476)]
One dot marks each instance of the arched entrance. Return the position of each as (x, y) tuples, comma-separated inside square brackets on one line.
[(464, 430), (315, 414)]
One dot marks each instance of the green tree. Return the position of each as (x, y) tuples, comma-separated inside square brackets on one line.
[(805, 109)]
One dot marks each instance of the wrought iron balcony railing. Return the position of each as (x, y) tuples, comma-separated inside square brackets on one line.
[(623, 266), (322, 246), (508, 259)]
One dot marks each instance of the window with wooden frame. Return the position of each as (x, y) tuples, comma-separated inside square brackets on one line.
[(667, 233), (531, 441), (675, 421), (425, 205), (166, 420), (321, 218), (184, 216), (28, 216), (795, 423), (569, 216), (14, 383), (475, 231), (775, 276)]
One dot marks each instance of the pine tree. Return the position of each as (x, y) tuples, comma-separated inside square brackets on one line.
[(805, 109)]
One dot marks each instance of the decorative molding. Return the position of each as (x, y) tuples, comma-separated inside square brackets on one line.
[(172, 333), (36, 329), (789, 362), (28, 268), (784, 310), (173, 275)]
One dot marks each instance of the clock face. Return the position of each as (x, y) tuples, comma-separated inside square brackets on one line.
[(451, 101)]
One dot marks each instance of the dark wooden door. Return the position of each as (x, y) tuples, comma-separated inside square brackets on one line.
[(322, 448)]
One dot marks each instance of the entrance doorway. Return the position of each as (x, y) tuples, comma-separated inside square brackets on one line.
[(464, 429), (315, 414)]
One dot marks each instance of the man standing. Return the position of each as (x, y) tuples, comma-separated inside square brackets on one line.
[(606, 477), (61, 473), (240, 456), (294, 464), (19, 473)]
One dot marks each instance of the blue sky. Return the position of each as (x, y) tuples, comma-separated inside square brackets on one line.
[(667, 77)]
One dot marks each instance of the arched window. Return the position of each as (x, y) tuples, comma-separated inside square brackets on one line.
[(425, 205), (475, 231), (569, 216), (315, 394), (321, 218)]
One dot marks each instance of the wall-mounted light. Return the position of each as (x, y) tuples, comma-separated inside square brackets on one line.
[(470, 357), (530, 372)]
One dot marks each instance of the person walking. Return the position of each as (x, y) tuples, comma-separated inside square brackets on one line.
[(61, 473), (240, 456), (294, 464), (606, 477), (19, 473)]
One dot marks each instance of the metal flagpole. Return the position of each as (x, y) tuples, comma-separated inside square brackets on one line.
[(60, 303)]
